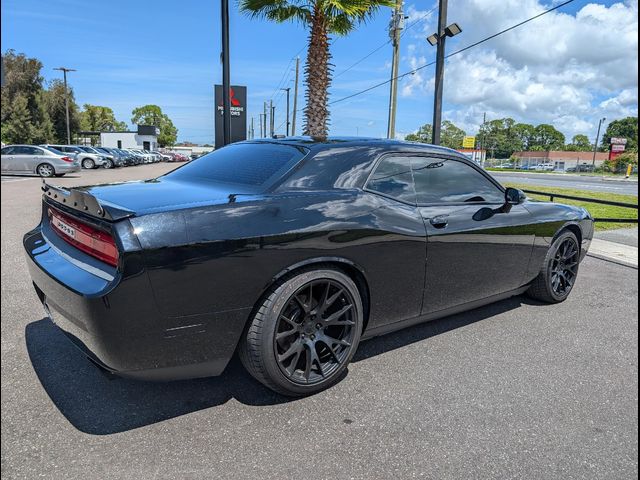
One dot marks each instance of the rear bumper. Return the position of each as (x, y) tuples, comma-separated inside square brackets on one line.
[(68, 168), (116, 323)]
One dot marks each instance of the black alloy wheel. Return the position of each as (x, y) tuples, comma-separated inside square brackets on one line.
[(314, 331), (304, 333), (560, 270), (564, 267)]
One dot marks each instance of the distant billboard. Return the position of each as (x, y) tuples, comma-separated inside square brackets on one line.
[(238, 114)]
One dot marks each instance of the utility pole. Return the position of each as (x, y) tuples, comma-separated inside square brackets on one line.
[(264, 116), (226, 74), (287, 90), (439, 39), (251, 131), (295, 99), (595, 145), (66, 98), (272, 114), (395, 27)]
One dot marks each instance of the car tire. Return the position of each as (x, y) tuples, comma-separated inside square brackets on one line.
[(559, 271), (109, 164), (299, 341), (88, 164), (45, 170)]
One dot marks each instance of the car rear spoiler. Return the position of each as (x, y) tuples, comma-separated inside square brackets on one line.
[(85, 202)]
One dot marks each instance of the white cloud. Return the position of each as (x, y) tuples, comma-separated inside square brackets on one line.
[(563, 69)]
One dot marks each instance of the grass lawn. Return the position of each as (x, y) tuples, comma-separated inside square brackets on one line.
[(598, 211)]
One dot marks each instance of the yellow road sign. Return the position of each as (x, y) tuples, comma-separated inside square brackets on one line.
[(469, 142)]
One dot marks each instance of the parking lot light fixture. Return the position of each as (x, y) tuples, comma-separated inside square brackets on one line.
[(66, 98), (438, 39)]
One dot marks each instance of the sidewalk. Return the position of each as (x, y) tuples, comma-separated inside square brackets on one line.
[(614, 252)]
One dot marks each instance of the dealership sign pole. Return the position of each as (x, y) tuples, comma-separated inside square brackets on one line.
[(226, 75)]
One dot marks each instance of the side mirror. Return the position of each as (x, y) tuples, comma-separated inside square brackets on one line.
[(513, 196)]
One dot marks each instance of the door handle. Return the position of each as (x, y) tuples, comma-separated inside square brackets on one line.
[(440, 221)]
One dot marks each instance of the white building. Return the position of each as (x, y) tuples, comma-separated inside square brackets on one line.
[(145, 138)]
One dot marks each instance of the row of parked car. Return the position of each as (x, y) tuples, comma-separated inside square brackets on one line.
[(58, 160)]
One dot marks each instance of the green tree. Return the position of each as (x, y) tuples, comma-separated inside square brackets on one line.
[(152, 115), (501, 137), (523, 136), (423, 135), (96, 118), (23, 82), (17, 126), (579, 143), (451, 136), (623, 128), (546, 138), (322, 18), (55, 104)]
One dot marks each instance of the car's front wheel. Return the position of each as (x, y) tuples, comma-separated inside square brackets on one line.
[(559, 271), (304, 334)]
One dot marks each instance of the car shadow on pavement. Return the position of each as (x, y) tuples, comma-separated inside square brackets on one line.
[(102, 404)]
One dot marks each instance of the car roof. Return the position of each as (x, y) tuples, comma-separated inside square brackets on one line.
[(341, 142)]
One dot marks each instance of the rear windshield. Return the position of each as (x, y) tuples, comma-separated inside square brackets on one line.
[(250, 164)]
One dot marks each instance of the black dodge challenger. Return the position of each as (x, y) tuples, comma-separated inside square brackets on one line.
[(290, 251)]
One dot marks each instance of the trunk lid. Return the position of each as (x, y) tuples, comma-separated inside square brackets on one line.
[(121, 200)]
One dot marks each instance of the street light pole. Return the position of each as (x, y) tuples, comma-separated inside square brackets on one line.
[(439, 39), (288, 89), (66, 99), (595, 146), (226, 74), (295, 98)]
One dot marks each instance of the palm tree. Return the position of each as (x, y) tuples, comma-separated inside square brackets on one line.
[(322, 17)]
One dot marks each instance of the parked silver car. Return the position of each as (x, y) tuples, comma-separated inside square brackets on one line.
[(87, 159), (92, 158), (44, 161)]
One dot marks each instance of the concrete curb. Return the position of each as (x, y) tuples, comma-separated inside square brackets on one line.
[(614, 252)]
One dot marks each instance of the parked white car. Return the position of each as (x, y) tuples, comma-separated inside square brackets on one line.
[(547, 167)]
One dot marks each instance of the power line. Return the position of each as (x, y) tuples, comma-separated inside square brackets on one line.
[(464, 49), (384, 44), (286, 71)]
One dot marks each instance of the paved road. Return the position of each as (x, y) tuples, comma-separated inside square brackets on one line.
[(581, 182), (512, 390)]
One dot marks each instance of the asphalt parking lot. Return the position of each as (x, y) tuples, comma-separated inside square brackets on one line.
[(513, 390)]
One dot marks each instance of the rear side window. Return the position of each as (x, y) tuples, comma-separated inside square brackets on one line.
[(250, 164), (8, 150), (27, 151), (439, 180), (393, 178)]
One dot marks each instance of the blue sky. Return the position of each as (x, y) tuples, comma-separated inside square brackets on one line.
[(131, 53)]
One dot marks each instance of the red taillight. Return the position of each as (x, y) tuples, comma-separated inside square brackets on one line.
[(66, 159), (84, 237)]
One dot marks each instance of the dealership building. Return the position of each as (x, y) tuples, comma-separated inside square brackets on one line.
[(145, 138)]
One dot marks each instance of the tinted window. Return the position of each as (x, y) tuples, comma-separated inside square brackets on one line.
[(440, 180), (392, 177), (252, 164), (8, 150), (27, 151)]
